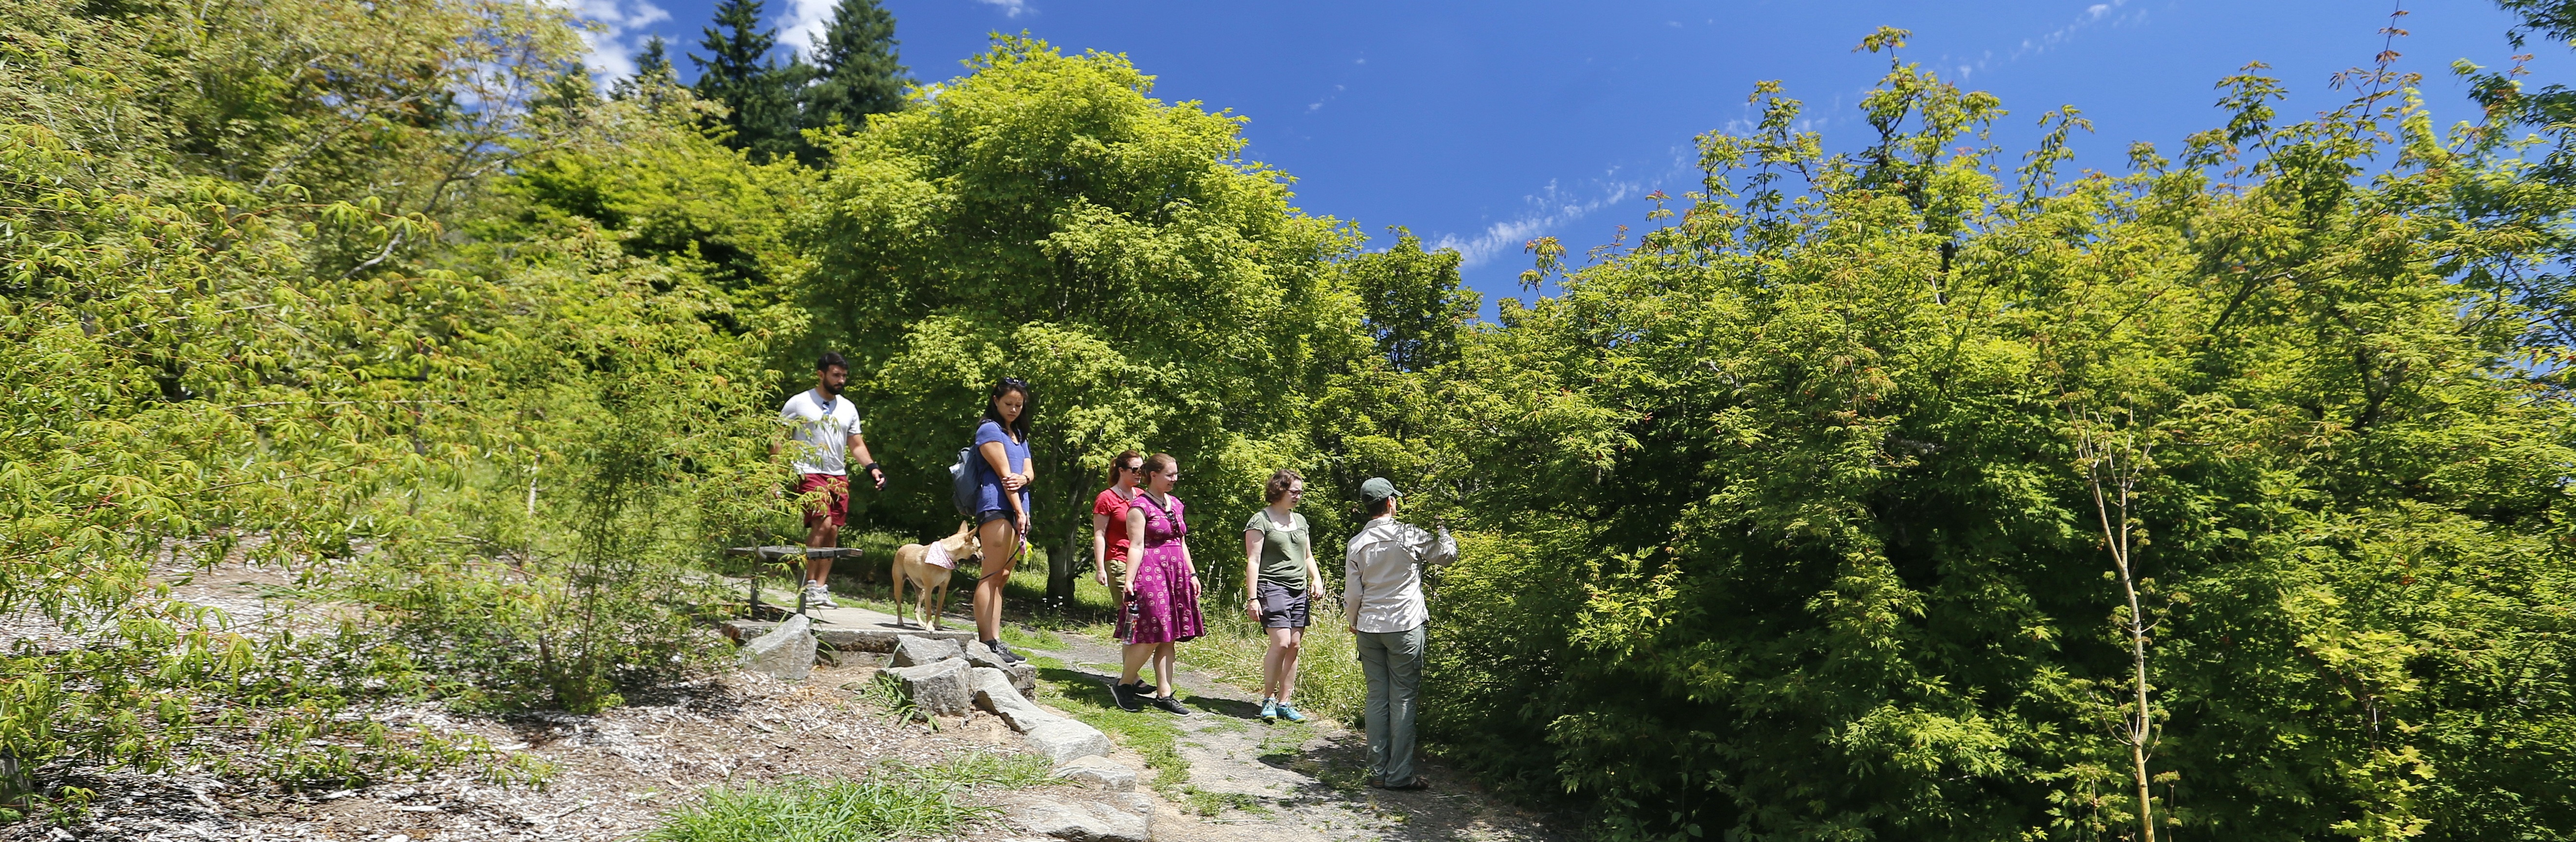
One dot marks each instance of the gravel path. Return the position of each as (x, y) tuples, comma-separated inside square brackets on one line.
[(1292, 783)]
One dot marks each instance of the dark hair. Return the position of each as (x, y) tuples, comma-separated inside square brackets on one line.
[(1117, 463), (1279, 482), (1028, 406), (1378, 507), (830, 359), (1159, 463)]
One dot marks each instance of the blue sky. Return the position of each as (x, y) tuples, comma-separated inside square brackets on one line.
[(1481, 125)]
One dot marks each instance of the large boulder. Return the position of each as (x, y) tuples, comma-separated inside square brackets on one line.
[(938, 687), (1098, 771), (914, 650), (785, 653), (1065, 739), (1127, 817), (993, 692)]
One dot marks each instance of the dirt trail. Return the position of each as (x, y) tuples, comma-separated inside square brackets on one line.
[(1285, 782)]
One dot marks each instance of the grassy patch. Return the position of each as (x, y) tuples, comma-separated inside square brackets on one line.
[(811, 810), (1149, 732), (1031, 639), (1207, 803), (991, 770), (1329, 683)]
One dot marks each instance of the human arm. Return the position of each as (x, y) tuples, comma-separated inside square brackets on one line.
[(1314, 571), (859, 448), (1352, 585), (1252, 569), (998, 458), (1100, 547), (1428, 549), (1135, 546)]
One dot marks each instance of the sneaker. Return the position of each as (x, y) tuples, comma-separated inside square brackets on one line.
[(1125, 696), (1003, 651), (1290, 713), (1170, 705), (817, 595), (1269, 709)]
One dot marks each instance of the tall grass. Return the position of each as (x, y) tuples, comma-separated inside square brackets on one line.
[(1329, 683)]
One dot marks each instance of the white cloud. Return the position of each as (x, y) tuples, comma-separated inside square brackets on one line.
[(804, 21), (1010, 8), (1551, 208), (616, 33)]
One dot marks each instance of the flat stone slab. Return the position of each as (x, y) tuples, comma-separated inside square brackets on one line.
[(1125, 817), (850, 629), (1098, 771), (1065, 739), (785, 652)]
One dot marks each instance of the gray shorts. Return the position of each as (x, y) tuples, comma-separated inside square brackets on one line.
[(1281, 606)]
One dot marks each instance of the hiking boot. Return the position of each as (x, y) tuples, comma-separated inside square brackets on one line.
[(1170, 705), (1125, 696), (818, 596), (1269, 709), (1290, 713), (1003, 652)]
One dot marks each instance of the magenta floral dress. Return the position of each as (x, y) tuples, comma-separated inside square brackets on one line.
[(1165, 606)]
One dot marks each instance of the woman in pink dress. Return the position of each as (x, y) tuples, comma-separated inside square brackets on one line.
[(1162, 588)]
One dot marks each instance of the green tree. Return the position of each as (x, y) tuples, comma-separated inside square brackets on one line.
[(1044, 217), (759, 94), (1814, 454), (857, 68)]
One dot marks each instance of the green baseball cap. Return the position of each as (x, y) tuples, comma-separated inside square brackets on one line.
[(1377, 488)]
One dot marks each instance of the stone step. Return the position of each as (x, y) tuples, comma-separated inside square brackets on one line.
[(851, 629)]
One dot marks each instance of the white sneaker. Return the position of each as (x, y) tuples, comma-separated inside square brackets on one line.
[(819, 595)]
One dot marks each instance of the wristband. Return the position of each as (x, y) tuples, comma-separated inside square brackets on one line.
[(872, 468)]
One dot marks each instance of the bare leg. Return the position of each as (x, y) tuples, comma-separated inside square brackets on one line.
[(1001, 550), (1166, 657), (1134, 654), (1288, 661), (1270, 663), (824, 534)]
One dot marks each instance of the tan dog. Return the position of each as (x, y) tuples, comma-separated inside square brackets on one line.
[(931, 580)]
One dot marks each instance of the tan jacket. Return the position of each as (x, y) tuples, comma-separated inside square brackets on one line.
[(1382, 586)]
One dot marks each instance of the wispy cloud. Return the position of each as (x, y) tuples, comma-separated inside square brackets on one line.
[(617, 33), (2099, 14), (1551, 208), (1010, 8)]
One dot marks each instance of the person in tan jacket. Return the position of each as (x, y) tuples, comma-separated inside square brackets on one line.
[(1382, 596)]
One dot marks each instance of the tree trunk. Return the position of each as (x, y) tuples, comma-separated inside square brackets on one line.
[(1060, 565)]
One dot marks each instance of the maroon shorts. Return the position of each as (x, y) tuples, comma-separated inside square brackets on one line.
[(835, 505)]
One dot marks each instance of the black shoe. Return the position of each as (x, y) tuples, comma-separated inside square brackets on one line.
[(1408, 786), (1125, 696), (1003, 652), (1171, 705)]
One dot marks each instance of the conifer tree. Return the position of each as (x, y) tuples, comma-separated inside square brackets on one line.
[(759, 93), (860, 70), (652, 67)]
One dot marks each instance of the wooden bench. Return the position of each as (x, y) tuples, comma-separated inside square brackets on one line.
[(792, 556)]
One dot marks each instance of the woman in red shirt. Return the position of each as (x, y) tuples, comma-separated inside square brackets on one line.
[(1109, 529)]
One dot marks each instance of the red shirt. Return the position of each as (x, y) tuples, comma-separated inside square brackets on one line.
[(1109, 503)]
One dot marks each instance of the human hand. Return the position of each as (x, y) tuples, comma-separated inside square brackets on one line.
[(879, 475), (1024, 523), (1014, 482), (1252, 606)]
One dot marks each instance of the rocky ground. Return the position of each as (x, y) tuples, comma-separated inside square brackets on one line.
[(617, 772)]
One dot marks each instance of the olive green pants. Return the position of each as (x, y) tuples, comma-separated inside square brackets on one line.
[(1392, 661)]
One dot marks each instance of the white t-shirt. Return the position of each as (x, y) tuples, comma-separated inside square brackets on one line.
[(822, 432)]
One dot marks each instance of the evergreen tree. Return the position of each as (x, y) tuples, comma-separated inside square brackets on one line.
[(860, 71), (759, 93), (652, 67)]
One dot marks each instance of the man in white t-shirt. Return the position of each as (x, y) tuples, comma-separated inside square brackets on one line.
[(825, 433)]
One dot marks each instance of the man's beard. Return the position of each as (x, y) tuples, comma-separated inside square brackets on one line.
[(832, 389)]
